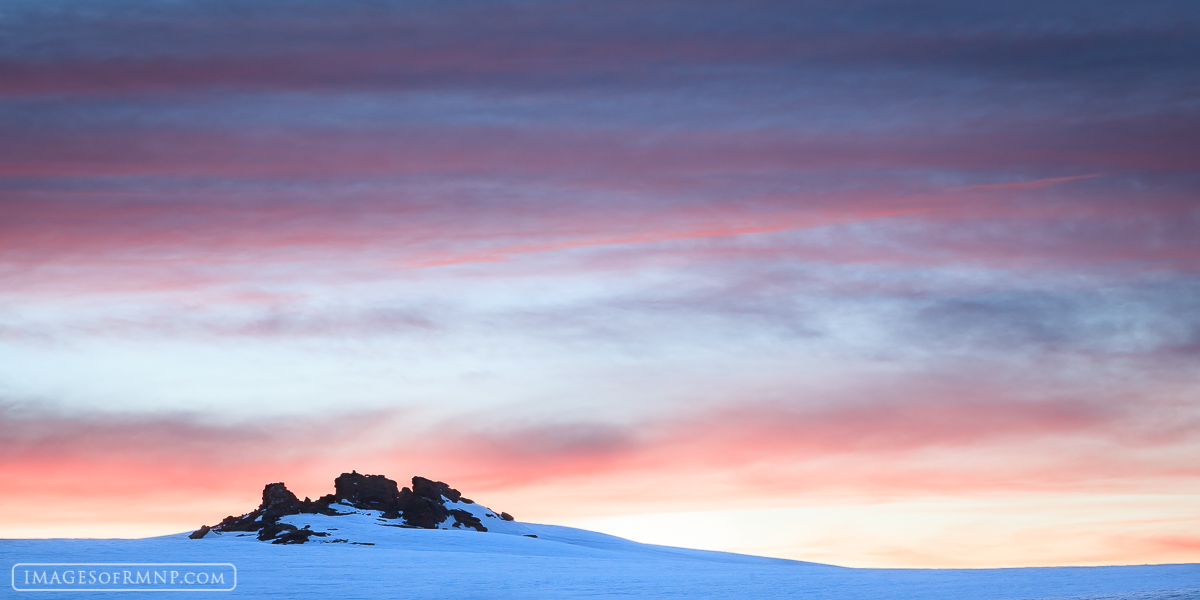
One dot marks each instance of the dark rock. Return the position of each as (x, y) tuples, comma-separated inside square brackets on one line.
[(423, 506), (422, 512), (374, 492), (319, 507), (271, 530), (462, 517), (531, 535), (297, 536), (278, 501), (246, 522), (434, 490)]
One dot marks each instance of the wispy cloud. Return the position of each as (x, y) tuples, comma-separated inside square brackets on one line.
[(1025, 185), (939, 247)]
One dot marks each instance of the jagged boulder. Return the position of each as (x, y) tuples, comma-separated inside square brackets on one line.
[(374, 492), (434, 490), (422, 511), (278, 501)]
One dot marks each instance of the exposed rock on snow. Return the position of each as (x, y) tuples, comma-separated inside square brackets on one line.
[(372, 492), (374, 500), (277, 501)]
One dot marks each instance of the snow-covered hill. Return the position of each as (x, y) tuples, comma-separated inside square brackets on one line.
[(377, 544), (571, 563), (359, 511)]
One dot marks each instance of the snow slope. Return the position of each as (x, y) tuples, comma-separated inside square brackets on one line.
[(570, 563), (364, 526)]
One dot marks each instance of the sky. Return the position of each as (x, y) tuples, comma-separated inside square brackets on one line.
[(907, 283)]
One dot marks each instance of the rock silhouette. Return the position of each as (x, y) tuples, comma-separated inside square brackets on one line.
[(422, 507)]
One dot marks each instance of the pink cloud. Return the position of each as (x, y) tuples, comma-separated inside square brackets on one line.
[(199, 242), (884, 448)]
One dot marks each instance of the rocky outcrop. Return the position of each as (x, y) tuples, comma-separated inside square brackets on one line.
[(424, 506), (283, 533), (278, 501), (465, 519), (374, 492), (435, 490)]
